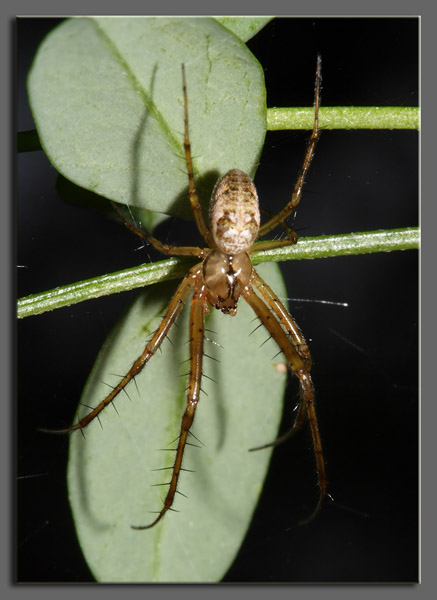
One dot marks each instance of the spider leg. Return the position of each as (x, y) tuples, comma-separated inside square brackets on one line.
[(299, 343), (266, 312), (273, 244), (284, 318), (288, 230), (300, 418), (194, 201), (297, 192), (158, 337), (157, 244), (194, 197), (197, 331), (290, 240)]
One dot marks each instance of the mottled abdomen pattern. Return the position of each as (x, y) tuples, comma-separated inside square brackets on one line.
[(234, 213)]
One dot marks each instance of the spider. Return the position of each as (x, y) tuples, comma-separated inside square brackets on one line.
[(225, 274)]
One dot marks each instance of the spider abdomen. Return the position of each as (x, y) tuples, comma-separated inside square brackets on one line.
[(234, 213)]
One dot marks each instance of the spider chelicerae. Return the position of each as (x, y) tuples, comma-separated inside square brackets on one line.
[(225, 274)]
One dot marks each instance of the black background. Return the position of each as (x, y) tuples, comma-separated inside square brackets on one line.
[(365, 356)]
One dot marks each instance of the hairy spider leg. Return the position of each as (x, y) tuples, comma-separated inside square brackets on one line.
[(266, 313), (194, 197), (157, 244), (297, 192), (299, 343), (299, 420), (172, 312), (197, 334), (284, 318), (291, 234)]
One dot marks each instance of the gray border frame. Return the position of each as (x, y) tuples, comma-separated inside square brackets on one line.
[(8, 11)]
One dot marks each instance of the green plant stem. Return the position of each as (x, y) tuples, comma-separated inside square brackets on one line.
[(331, 117), (343, 117), (176, 267)]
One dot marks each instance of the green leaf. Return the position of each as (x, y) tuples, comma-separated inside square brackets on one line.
[(106, 96), (110, 472), (244, 27)]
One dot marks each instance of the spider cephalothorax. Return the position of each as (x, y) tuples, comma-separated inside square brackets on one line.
[(224, 275)]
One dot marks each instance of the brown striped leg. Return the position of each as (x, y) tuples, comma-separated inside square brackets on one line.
[(284, 318), (194, 197), (297, 192), (299, 344), (172, 312), (157, 244), (300, 418), (266, 314), (197, 330)]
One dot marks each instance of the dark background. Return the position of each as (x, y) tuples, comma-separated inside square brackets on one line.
[(365, 356)]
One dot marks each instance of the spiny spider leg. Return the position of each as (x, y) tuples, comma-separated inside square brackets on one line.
[(157, 244), (172, 312), (297, 192), (197, 333), (291, 234), (194, 197), (300, 418), (284, 318), (299, 344), (266, 314)]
